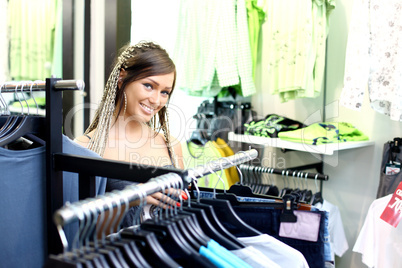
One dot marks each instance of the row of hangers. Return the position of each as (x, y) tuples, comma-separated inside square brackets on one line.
[(172, 239), (25, 124), (252, 177)]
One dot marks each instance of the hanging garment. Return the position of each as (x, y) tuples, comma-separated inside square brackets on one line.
[(255, 257), (256, 14), (379, 242), (196, 155), (32, 38), (390, 174), (23, 203), (279, 252), (267, 221), (323, 133), (338, 241), (213, 49), (4, 42), (297, 32), (373, 58), (227, 151)]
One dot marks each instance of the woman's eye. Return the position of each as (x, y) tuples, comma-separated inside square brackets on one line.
[(148, 86), (166, 93)]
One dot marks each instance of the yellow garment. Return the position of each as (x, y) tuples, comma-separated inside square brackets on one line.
[(227, 151), (198, 155)]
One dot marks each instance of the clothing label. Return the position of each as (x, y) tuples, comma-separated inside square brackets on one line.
[(306, 228), (392, 169), (393, 211)]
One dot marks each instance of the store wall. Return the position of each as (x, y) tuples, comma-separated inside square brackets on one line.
[(354, 174)]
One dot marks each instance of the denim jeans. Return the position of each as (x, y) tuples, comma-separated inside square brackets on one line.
[(267, 220)]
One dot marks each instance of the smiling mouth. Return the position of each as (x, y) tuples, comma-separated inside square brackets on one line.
[(147, 108)]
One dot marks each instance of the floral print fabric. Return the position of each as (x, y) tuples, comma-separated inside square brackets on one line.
[(372, 58)]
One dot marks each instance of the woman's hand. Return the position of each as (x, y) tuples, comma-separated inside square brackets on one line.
[(166, 199)]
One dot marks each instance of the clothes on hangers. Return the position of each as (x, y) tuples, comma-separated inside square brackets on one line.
[(390, 173), (338, 241), (373, 59), (32, 41), (296, 47), (23, 203), (196, 155), (277, 251), (4, 41), (267, 221), (379, 242), (212, 49)]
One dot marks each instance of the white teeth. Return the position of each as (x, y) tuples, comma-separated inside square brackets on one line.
[(147, 108)]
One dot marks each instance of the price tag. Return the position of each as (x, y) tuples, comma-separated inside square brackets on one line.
[(392, 169), (392, 213)]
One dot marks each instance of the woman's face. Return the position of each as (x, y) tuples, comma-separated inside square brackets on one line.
[(145, 97)]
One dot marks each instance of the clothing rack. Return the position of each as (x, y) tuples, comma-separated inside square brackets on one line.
[(67, 214), (32, 86), (286, 171), (87, 167)]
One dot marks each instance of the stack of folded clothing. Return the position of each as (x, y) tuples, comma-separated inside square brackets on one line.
[(271, 126), (323, 133)]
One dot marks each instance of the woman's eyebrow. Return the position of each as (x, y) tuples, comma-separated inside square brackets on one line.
[(156, 83)]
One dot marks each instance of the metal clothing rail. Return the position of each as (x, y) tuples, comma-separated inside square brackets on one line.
[(223, 163), (286, 171), (32, 86), (68, 213)]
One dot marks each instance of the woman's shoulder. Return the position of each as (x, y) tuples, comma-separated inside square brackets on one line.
[(84, 139)]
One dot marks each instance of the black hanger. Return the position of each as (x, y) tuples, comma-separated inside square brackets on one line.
[(128, 248), (210, 222), (26, 125), (218, 229), (226, 214), (317, 196), (149, 247), (199, 137), (60, 261), (193, 226)]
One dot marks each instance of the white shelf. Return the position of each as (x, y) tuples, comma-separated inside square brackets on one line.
[(326, 149)]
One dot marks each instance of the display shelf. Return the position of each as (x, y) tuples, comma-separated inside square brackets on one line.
[(325, 149)]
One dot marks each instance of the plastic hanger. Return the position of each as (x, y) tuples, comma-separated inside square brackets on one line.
[(210, 222), (227, 215), (11, 119), (246, 191), (273, 189), (317, 196), (23, 125), (7, 119), (128, 248), (190, 221), (66, 259), (112, 255), (147, 241), (171, 238), (199, 137)]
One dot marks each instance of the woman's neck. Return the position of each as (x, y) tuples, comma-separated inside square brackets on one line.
[(126, 129)]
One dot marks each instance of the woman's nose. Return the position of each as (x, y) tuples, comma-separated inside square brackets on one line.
[(154, 97)]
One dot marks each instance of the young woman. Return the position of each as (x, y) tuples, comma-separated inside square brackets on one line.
[(131, 122)]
